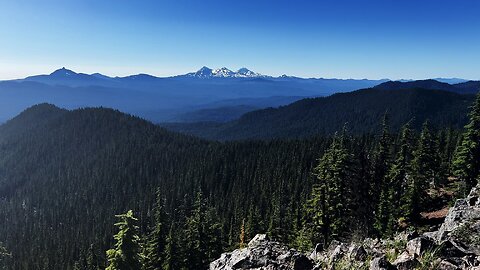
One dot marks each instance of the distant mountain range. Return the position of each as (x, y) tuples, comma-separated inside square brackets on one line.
[(193, 97), (167, 99)]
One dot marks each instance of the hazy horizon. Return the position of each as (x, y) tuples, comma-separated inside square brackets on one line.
[(91, 72)]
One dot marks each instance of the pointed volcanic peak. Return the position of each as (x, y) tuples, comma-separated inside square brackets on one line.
[(206, 73), (223, 72), (63, 72), (245, 72), (203, 72)]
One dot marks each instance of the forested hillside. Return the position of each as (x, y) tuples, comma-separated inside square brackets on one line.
[(64, 175), (362, 109)]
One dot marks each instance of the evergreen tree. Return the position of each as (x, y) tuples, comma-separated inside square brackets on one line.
[(424, 168), (253, 224), (467, 158), (202, 235), (397, 180), (214, 236), (93, 262), (361, 205), (171, 260), (194, 235), (329, 204), (154, 250), (380, 189), (126, 254), (309, 233), (5, 258), (275, 228)]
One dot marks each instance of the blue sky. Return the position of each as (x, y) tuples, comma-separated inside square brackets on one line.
[(323, 38)]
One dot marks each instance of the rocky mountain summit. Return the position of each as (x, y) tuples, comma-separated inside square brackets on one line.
[(455, 245)]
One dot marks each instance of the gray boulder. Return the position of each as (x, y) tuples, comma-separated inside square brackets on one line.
[(317, 252), (446, 265), (406, 261), (462, 224), (357, 252), (419, 245), (381, 263), (452, 249), (262, 254)]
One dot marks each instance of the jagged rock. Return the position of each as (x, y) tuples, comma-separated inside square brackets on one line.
[(406, 236), (419, 245), (446, 265), (335, 252), (462, 223), (373, 247), (406, 261), (452, 249), (380, 263), (468, 262), (263, 254), (357, 252), (316, 253), (258, 240), (431, 235), (302, 263)]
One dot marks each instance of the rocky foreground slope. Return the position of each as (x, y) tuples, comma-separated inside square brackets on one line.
[(455, 245)]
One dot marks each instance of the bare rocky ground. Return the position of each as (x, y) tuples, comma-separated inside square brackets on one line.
[(455, 245)]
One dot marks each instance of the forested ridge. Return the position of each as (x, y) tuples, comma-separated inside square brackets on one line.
[(362, 109), (64, 175)]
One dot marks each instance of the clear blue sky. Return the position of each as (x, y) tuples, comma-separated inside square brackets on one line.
[(317, 38)]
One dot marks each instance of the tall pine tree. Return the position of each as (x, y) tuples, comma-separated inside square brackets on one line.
[(467, 158), (5, 258), (397, 180), (155, 245), (126, 253), (380, 188), (329, 206), (202, 235), (424, 169), (171, 259)]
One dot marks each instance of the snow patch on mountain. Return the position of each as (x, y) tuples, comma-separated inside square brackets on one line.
[(224, 72)]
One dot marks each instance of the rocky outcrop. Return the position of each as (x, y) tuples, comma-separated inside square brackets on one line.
[(263, 254), (462, 224), (454, 246)]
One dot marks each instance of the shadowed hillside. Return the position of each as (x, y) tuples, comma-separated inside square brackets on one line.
[(362, 110)]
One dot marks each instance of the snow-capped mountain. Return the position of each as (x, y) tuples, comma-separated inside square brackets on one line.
[(223, 72), (245, 72)]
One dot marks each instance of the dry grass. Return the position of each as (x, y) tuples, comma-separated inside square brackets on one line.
[(442, 213)]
